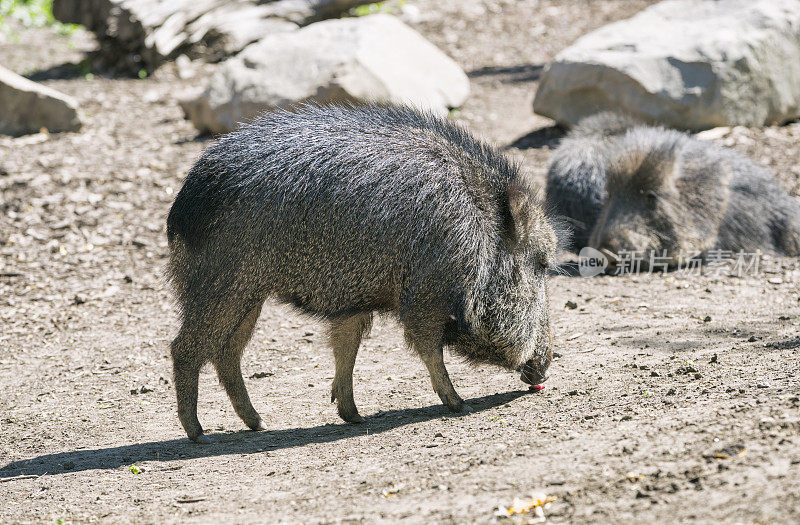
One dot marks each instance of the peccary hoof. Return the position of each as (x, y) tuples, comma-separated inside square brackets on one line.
[(258, 426), (354, 419), (201, 439), (461, 408)]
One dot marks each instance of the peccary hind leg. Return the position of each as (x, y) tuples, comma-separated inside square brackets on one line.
[(187, 363), (212, 336), (345, 335), (228, 364)]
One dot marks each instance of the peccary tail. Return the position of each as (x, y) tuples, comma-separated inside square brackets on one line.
[(188, 219)]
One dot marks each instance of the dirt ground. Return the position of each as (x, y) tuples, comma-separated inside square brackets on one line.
[(673, 398)]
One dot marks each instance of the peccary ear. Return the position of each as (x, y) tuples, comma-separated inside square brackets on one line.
[(522, 216), (642, 166)]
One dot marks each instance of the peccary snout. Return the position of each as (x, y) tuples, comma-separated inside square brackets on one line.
[(530, 374), (613, 237), (534, 370)]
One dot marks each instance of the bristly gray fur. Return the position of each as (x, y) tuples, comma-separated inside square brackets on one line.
[(575, 187), (346, 210), (669, 191), (628, 186)]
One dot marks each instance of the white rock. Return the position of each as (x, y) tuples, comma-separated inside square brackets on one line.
[(372, 58), (714, 133), (185, 67), (693, 64), (228, 29), (26, 107)]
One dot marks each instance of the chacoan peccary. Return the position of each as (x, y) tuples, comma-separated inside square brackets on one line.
[(667, 192), (575, 187), (343, 211)]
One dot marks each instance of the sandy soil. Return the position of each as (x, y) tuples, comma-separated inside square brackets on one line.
[(673, 398)]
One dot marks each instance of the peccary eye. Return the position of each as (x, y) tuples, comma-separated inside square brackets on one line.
[(651, 197), (540, 265)]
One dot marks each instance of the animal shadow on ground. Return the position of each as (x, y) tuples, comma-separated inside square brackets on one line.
[(239, 442), (65, 71), (696, 338), (539, 138), (510, 74), (790, 344)]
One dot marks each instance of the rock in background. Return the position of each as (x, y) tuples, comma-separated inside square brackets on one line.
[(375, 58), (691, 64), (143, 34), (26, 107)]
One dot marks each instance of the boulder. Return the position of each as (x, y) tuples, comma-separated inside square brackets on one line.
[(691, 64), (226, 30), (143, 34), (26, 107), (371, 58)]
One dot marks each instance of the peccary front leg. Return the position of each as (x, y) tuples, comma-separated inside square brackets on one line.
[(345, 337), (229, 369), (428, 344)]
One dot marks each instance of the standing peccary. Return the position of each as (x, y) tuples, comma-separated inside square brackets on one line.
[(576, 178), (668, 192), (343, 211)]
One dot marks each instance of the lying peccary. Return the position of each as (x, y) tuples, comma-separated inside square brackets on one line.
[(343, 211), (663, 190), (576, 179), (670, 193)]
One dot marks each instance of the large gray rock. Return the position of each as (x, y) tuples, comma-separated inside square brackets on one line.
[(142, 34), (226, 30), (26, 107), (372, 58), (690, 64)]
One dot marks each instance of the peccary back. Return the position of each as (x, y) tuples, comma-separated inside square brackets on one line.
[(760, 214)]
